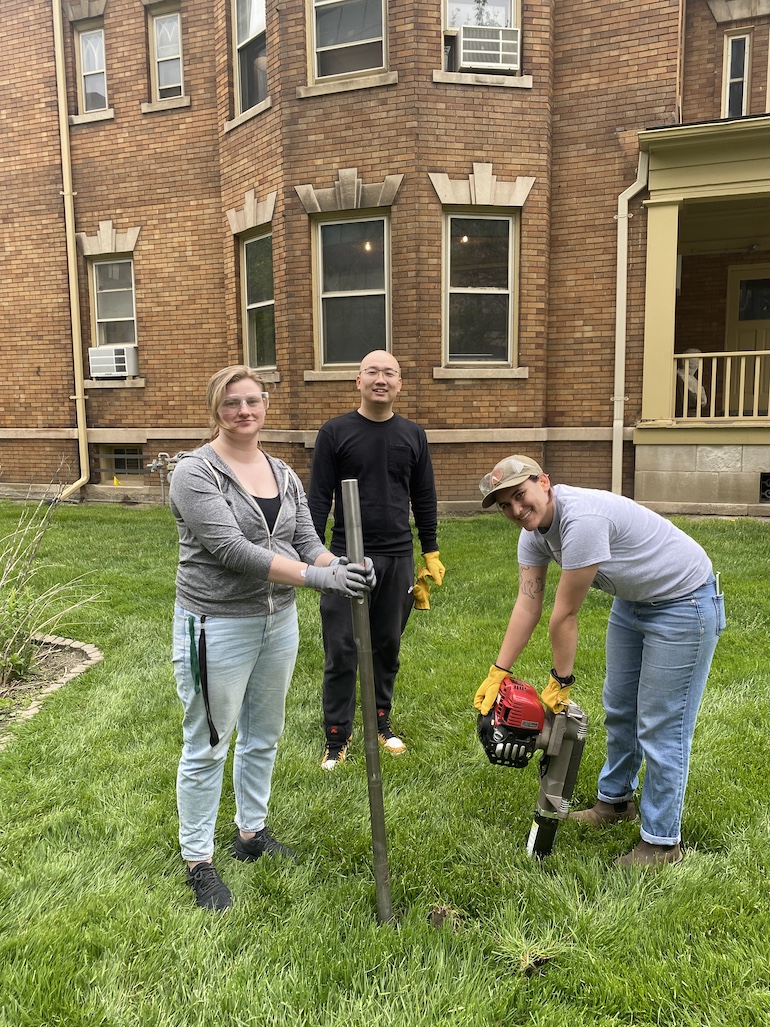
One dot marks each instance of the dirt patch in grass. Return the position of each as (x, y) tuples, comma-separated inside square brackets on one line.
[(59, 661)]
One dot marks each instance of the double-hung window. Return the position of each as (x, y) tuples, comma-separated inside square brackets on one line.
[(251, 46), (735, 93), (349, 37), (354, 294), (166, 53), (260, 304), (91, 66), (114, 308), (479, 297)]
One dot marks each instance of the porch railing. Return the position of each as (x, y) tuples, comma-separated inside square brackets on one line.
[(722, 386)]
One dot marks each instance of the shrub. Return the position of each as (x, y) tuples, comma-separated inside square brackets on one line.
[(26, 612)]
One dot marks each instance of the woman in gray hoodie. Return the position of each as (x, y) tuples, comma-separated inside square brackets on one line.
[(246, 541)]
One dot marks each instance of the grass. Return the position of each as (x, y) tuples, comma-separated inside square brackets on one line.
[(96, 924)]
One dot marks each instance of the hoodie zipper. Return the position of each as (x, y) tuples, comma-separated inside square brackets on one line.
[(269, 533)]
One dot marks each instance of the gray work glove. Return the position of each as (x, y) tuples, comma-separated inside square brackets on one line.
[(369, 575), (341, 578)]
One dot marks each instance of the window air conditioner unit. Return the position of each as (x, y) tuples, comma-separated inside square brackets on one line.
[(489, 49), (113, 361)]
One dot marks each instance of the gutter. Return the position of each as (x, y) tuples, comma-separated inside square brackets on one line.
[(621, 294), (72, 264)]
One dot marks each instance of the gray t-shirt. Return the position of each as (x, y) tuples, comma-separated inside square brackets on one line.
[(642, 557)]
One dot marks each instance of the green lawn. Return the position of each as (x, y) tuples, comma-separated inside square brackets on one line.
[(97, 926)]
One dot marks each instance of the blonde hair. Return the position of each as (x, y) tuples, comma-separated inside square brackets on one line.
[(216, 390)]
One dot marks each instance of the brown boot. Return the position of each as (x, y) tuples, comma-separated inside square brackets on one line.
[(645, 854), (604, 813)]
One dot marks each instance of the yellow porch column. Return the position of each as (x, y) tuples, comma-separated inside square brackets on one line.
[(660, 304)]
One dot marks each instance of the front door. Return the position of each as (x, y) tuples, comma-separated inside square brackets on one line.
[(748, 332)]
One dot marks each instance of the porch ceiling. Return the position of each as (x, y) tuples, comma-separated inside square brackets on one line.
[(725, 225)]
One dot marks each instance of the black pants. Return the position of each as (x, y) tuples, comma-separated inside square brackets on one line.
[(390, 604)]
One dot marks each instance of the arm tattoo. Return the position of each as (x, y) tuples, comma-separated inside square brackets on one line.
[(532, 586)]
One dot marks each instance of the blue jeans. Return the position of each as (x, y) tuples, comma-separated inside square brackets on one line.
[(250, 662), (658, 660)]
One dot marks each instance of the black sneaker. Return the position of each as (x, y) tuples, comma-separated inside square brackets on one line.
[(334, 754), (262, 844), (387, 738), (210, 890)]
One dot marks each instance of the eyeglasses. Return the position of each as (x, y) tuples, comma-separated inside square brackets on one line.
[(233, 405), (387, 372)]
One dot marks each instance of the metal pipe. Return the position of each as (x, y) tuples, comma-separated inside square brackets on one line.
[(361, 629), (621, 314), (72, 263)]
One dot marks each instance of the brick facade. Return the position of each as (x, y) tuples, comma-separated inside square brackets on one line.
[(592, 81)]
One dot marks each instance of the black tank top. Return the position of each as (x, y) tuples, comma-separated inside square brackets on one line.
[(269, 507)]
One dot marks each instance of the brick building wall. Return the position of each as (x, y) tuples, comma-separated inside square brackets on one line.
[(35, 345), (596, 81)]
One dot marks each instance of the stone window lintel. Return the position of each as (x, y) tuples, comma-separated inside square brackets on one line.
[(349, 193), (737, 10), (82, 10), (107, 240), (253, 214), (481, 189)]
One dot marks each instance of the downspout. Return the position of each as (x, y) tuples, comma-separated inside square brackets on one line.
[(621, 294), (72, 264)]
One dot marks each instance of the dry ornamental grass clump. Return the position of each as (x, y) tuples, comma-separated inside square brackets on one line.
[(27, 612)]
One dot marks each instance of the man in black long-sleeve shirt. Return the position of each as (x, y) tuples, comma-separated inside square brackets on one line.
[(388, 454)]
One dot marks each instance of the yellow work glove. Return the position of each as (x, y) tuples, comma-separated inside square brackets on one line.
[(486, 694), (421, 590), (434, 569), (555, 695)]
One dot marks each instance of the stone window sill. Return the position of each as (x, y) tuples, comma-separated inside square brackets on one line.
[(86, 119), (480, 372), (386, 78), (114, 383), (171, 104), (252, 112), (466, 78)]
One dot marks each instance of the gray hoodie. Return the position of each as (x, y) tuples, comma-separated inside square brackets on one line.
[(225, 548)]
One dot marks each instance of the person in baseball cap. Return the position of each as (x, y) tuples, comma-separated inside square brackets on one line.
[(511, 471), (666, 617)]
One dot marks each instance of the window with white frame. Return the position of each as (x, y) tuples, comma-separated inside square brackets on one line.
[(91, 67), (735, 94), (348, 36), (481, 35), (354, 275), (259, 299), (114, 307), (479, 296), (166, 53), (251, 48)]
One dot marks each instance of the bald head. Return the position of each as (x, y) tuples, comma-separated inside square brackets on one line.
[(381, 359), (379, 383)]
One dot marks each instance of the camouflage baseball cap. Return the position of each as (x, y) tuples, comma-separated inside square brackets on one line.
[(508, 472)]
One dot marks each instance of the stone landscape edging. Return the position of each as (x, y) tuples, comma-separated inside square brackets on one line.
[(91, 656)]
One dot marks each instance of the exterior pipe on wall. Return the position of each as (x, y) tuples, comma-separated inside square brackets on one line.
[(72, 263), (619, 389)]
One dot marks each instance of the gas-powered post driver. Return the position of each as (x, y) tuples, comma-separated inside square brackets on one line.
[(517, 727)]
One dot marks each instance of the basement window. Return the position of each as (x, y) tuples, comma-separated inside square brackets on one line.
[(119, 465), (764, 487)]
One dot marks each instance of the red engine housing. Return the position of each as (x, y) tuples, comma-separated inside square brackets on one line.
[(518, 706)]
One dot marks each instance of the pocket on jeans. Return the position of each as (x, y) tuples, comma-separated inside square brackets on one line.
[(719, 605)]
